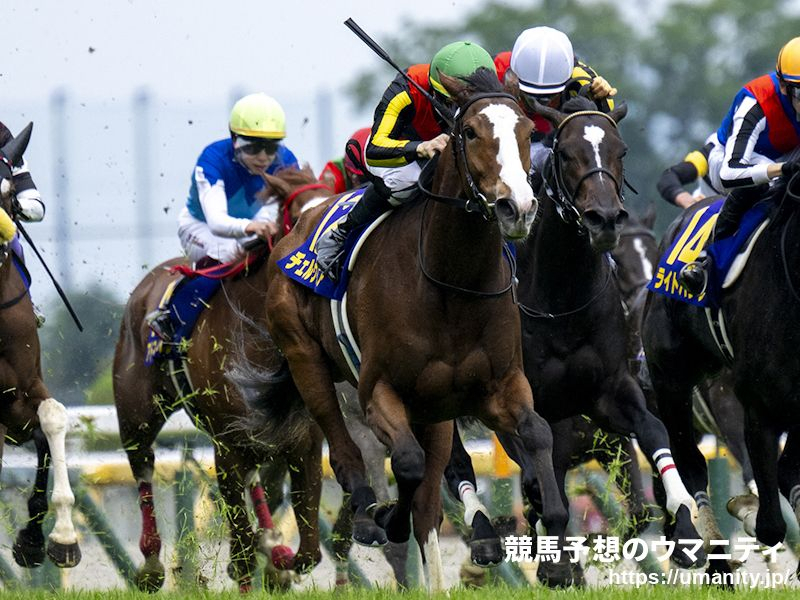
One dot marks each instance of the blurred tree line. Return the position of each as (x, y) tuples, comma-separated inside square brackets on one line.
[(678, 68), (77, 365)]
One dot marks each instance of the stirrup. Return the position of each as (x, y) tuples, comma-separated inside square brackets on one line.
[(693, 277), (160, 323)]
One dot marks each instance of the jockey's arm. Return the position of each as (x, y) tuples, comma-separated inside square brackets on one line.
[(600, 90), (742, 166), (31, 207), (385, 147), (214, 203)]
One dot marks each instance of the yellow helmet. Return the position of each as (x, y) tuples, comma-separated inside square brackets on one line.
[(258, 116), (788, 66)]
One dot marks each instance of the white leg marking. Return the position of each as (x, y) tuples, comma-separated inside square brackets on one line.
[(504, 120), (434, 573), (53, 421), (647, 266), (677, 494)]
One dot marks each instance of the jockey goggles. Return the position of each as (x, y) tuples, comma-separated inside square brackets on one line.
[(253, 146), (531, 100)]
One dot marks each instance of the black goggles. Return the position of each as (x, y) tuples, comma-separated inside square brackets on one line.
[(532, 99), (251, 147)]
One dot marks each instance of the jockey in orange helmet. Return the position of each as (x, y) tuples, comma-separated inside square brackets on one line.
[(343, 174)]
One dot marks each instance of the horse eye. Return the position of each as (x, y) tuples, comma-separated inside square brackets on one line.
[(470, 133)]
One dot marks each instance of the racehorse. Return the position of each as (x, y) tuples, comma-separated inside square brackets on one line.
[(26, 408), (681, 351), (573, 324), (306, 190), (430, 306), (232, 367)]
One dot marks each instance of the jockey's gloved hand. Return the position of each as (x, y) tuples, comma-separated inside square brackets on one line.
[(600, 89), (790, 167)]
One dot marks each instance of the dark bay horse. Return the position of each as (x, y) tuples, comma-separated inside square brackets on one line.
[(574, 335), (26, 408), (759, 314), (430, 306), (232, 367)]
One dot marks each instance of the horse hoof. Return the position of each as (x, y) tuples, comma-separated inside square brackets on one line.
[(398, 531), (744, 508), (717, 571), (486, 552), (27, 552), (282, 557), (556, 575), (367, 533), (686, 556), (276, 581), (150, 578), (64, 556)]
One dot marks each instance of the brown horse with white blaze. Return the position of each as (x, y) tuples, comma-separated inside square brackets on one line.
[(430, 306)]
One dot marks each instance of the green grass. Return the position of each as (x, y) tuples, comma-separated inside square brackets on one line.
[(492, 593)]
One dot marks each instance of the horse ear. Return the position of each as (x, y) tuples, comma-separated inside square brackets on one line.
[(455, 86), (619, 112), (278, 185), (551, 114), (15, 147), (307, 170), (649, 218)]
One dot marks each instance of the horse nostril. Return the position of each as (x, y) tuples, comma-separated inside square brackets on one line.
[(593, 220), (506, 210), (622, 218)]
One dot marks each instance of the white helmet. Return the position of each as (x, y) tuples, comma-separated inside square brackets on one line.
[(543, 60)]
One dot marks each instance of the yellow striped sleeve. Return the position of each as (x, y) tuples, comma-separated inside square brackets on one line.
[(699, 161)]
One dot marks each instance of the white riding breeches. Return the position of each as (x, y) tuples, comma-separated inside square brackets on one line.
[(401, 180), (198, 241)]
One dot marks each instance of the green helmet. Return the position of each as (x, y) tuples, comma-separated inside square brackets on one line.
[(259, 116), (459, 59)]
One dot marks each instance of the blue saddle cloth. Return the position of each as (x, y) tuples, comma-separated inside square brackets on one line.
[(301, 264), (690, 242)]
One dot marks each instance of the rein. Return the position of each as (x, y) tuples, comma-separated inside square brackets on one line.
[(476, 201), (540, 314), (287, 217), (557, 191)]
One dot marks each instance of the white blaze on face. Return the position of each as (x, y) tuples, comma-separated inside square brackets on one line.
[(647, 266), (512, 173), (594, 135)]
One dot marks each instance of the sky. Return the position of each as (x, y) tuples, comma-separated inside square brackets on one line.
[(113, 176)]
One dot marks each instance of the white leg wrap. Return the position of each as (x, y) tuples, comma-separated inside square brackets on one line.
[(434, 573), (53, 421), (677, 494), (472, 504)]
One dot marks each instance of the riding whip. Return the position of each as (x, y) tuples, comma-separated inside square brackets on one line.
[(362, 35), (52, 278)]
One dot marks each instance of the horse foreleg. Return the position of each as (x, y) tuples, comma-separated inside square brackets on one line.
[(63, 548), (762, 445), (305, 469), (28, 550), (789, 474), (270, 541), (436, 441), (387, 416), (485, 548), (230, 478)]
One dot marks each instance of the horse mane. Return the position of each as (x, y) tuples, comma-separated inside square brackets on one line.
[(295, 177), (577, 104), (483, 80)]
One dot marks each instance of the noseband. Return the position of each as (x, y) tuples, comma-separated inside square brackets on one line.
[(476, 201), (557, 189)]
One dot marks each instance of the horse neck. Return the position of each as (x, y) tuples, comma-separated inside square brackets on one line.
[(558, 256), (458, 247)]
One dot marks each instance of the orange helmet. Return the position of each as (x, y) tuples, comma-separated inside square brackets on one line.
[(788, 65)]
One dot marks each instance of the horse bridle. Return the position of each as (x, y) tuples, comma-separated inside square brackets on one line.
[(557, 190), (287, 217), (476, 201)]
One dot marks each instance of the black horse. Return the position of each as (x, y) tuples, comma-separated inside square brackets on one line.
[(573, 325), (759, 313)]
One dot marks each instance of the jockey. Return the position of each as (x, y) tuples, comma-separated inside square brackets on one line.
[(224, 210), (407, 128), (28, 207), (759, 131), (343, 174), (693, 168), (542, 68)]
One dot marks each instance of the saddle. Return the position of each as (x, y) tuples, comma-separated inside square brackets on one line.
[(728, 256), (185, 298)]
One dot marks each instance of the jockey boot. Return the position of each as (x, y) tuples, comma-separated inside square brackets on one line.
[(160, 322), (694, 275), (330, 246)]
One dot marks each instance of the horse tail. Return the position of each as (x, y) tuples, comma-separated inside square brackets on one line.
[(276, 418)]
